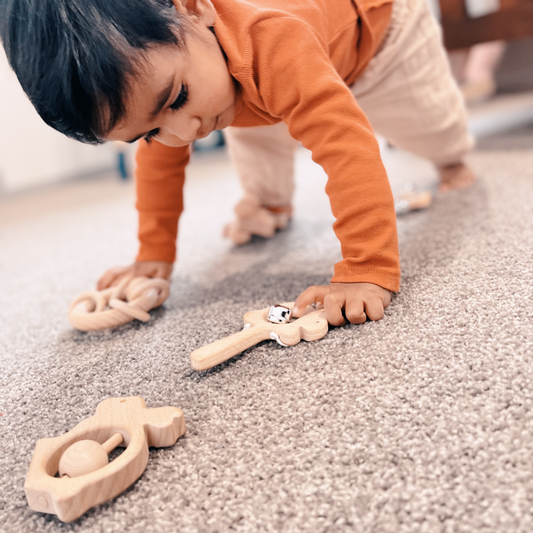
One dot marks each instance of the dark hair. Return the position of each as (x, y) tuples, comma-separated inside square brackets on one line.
[(75, 58)]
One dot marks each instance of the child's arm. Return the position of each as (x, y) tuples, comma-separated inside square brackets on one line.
[(159, 182), (296, 80)]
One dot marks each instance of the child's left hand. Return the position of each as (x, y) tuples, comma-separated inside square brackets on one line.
[(358, 300)]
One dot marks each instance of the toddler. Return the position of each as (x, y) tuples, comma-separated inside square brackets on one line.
[(322, 72)]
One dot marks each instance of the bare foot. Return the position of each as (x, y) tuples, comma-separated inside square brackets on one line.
[(254, 219), (457, 176)]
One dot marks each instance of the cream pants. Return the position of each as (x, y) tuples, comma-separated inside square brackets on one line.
[(406, 91)]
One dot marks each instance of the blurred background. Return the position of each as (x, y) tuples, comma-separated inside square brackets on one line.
[(490, 44)]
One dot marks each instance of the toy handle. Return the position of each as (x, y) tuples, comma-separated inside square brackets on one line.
[(219, 351)]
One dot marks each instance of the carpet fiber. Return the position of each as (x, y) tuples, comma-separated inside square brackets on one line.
[(422, 422)]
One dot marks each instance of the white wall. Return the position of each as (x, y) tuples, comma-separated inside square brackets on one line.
[(32, 153)]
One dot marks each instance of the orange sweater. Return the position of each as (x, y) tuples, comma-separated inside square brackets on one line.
[(293, 61)]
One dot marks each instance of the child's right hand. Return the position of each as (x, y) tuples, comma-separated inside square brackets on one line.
[(150, 269), (355, 301)]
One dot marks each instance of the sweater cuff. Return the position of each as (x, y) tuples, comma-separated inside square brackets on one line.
[(157, 237), (347, 272), (156, 253)]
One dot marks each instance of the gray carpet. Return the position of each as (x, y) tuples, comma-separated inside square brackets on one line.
[(422, 422)]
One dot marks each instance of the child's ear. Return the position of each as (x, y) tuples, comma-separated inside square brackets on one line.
[(199, 11)]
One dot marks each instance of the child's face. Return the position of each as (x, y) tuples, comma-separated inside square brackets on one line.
[(180, 96)]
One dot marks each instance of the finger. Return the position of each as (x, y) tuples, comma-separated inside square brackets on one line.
[(162, 272), (355, 311), (333, 304), (374, 308), (148, 271), (311, 295), (387, 299), (120, 278), (107, 279)]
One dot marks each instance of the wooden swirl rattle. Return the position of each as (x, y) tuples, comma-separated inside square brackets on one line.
[(115, 306), (271, 323), (87, 478)]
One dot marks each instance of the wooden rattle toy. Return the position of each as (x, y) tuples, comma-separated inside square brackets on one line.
[(115, 306), (87, 478), (257, 327), (411, 199)]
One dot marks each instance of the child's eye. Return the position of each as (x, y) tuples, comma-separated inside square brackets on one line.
[(181, 100), (151, 135)]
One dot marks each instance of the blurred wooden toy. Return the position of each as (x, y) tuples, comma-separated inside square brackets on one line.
[(256, 219), (257, 327), (115, 306), (411, 199), (80, 456)]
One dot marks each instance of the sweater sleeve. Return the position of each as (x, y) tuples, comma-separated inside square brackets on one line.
[(159, 181), (297, 82)]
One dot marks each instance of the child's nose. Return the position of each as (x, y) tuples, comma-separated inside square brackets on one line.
[(185, 129)]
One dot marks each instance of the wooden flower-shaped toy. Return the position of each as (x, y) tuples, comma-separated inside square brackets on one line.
[(257, 327)]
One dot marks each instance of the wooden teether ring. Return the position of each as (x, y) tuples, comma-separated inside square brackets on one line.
[(129, 309), (140, 285), (95, 302), (130, 300)]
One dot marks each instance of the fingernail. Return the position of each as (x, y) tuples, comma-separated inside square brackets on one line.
[(295, 310)]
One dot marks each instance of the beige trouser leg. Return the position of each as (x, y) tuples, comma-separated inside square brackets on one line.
[(408, 94), (407, 90), (264, 160)]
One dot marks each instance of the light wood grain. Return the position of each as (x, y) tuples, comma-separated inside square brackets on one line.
[(310, 327), (86, 456), (139, 428), (81, 458), (132, 299)]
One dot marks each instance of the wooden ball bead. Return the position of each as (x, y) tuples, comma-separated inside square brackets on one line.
[(81, 458)]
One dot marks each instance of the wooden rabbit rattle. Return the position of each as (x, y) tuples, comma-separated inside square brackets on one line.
[(115, 306), (80, 456), (271, 323)]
